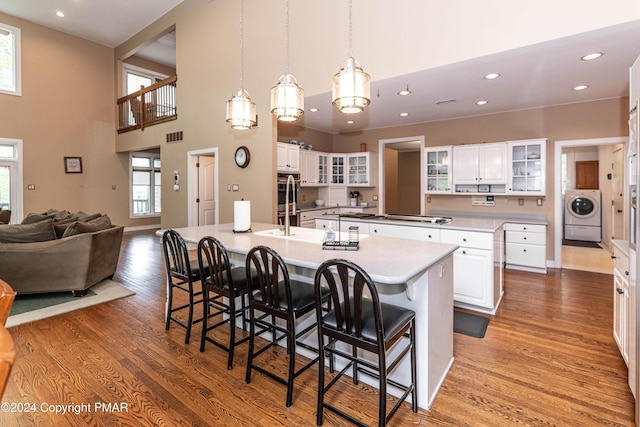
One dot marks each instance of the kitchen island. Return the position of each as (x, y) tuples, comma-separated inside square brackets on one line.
[(413, 274)]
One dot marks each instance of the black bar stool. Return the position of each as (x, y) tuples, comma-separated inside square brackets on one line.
[(278, 298), (224, 281), (181, 275), (360, 320)]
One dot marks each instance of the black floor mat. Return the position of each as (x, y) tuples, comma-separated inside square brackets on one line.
[(581, 243), (469, 324)]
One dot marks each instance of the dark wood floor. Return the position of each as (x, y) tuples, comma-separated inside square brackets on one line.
[(548, 358)]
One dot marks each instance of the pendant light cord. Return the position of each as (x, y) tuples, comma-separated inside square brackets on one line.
[(350, 29), (286, 25), (241, 44)]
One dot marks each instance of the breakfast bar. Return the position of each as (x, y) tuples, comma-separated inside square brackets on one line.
[(409, 273)]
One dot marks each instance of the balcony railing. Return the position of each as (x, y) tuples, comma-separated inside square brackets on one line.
[(148, 106)]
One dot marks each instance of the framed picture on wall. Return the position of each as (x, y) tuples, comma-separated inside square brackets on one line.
[(73, 164)]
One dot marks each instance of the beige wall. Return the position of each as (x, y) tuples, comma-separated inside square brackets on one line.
[(66, 109)]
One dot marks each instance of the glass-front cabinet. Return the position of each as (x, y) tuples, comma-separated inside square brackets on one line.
[(438, 177), (527, 169), (359, 169), (337, 168)]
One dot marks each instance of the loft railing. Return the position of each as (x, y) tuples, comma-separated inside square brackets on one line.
[(148, 106)]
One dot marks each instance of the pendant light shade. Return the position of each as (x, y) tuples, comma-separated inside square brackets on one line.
[(351, 88), (241, 111), (287, 99)]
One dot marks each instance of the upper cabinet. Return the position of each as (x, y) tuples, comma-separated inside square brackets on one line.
[(288, 157), (480, 168), (313, 168), (359, 169), (527, 169), (337, 168), (438, 177)]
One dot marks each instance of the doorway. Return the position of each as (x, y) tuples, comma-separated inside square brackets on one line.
[(400, 181), (559, 184), (203, 187)]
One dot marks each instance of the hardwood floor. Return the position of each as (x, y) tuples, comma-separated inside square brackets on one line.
[(548, 358)]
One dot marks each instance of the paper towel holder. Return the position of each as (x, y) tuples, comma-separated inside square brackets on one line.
[(248, 230)]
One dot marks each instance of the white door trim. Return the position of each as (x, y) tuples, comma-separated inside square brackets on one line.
[(192, 173), (557, 194)]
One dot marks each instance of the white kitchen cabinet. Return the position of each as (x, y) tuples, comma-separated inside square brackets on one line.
[(527, 167), (480, 164), (323, 224), (526, 247), (288, 157), (359, 167), (477, 276), (313, 168), (405, 232), (620, 312), (334, 195), (439, 180), (337, 166)]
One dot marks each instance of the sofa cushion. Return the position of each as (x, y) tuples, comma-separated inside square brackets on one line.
[(78, 227), (27, 233), (82, 216), (61, 225)]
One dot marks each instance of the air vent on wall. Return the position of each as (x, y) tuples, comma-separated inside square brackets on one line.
[(174, 137)]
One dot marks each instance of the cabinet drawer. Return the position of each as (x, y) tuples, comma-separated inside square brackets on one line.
[(405, 232), (526, 255), (533, 228), (468, 239), (526, 237), (620, 261)]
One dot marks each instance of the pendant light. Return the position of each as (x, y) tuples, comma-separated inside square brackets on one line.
[(287, 98), (351, 85), (241, 111)]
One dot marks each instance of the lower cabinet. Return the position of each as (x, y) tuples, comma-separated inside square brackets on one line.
[(624, 307), (526, 247), (620, 312)]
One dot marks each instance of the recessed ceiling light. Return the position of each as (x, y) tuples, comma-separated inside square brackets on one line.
[(313, 110), (492, 76), (483, 102), (405, 92), (580, 87), (592, 56), (404, 114), (350, 122), (60, 14)]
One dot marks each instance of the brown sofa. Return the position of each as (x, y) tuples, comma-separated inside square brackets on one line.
[(72, 263)]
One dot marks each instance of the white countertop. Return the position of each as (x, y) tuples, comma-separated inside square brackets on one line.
[(485, 225), (387, 260)]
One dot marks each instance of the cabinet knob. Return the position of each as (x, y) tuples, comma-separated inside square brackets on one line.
[(524, 250), (626, 273), (525, 238), (464, 252), (430, 236), (613, 257), (464, 239), (620, 291)]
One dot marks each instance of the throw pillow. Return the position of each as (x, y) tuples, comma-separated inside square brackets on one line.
[(101, 223), (61, 225), (82, 216), (27, 233), (36, 217)]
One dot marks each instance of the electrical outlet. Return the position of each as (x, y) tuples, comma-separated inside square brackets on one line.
[(428, 199), (31, 187), (520, 202), (539, 202), (374, 198)]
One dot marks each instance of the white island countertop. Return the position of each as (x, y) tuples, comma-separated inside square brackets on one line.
[(387, 260)]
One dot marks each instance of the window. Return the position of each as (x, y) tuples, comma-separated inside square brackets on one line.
[(137, 76), (145, 184), (11, 177), (10, 60)]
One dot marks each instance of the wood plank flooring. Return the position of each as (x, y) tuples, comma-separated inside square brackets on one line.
[(548, 358)]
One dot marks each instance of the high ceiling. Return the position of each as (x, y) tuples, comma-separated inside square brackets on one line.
[(533, 76)]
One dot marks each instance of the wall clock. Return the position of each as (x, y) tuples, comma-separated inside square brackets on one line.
[(242, 157)]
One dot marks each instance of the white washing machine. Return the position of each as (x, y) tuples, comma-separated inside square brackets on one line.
[(583, 215)]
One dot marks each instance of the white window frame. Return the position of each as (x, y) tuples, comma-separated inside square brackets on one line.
[(15, 167), (152, 75), (17, 60), (152, 169)]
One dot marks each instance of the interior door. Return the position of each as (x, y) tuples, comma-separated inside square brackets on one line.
[(617, 195), (206, 190)]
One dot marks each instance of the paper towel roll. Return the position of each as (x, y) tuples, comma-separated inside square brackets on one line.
[(241, 215)]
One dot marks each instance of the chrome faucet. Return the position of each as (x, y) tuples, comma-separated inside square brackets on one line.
[(291, 182)]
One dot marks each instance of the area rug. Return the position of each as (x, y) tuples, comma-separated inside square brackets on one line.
[(581, 244), (469, 324), (29, 308)]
